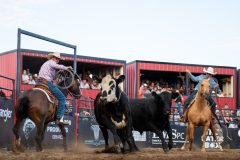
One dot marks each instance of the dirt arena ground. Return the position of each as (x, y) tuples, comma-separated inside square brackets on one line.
[(85, 153)]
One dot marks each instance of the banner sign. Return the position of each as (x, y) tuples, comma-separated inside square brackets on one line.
[(6, 122), (230, 140), (52, 136), (90, 132)]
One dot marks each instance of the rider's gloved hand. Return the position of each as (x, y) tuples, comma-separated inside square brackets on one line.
[(69, 68)]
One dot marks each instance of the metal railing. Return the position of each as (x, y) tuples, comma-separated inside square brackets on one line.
[(11, 90)]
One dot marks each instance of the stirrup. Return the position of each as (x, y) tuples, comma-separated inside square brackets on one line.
[(61, 122)]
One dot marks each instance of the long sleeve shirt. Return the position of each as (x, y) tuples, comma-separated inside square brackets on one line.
[(48, 70), (199, 78)]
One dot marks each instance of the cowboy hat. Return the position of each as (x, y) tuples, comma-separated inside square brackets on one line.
[(55, 54), (209, 70)]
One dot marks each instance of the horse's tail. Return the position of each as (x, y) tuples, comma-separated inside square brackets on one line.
[(22, 107)]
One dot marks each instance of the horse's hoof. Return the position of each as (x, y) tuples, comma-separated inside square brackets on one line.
[(39, 149), (182, 148), (14, 149), (20, 148)]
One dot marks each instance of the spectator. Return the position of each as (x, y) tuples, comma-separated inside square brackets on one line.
[(31, 80), (176, 117), (84, 84), (226, 110), (220, 117), (238, 111), (95, 85), (159, 90), (25, 77), (228, 119), (151, 86), (147, 93), (35, 77), (171, 119), (238, 120), (178, 103), (142, 90)]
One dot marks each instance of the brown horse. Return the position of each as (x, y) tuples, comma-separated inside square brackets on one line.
[(35, 105), (199, 114)]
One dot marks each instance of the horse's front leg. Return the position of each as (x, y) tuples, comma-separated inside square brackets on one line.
[(204, 136), (190, 135), (186, 139), (64, 134)]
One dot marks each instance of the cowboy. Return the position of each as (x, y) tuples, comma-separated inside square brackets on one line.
[(209, 73), (47, 74)]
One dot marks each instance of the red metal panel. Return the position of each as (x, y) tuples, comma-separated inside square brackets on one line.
[(8, 63), (87, 60), (130, 68), (8, 68)]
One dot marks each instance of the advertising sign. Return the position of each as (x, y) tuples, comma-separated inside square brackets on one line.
[(6, 122)]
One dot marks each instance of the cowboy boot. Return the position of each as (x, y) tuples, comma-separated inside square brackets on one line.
[(61, 122)]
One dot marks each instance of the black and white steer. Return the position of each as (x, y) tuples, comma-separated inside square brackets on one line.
[(111, 108)]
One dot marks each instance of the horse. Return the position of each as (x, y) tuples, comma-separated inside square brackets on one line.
[(35, 104), (199, 114)]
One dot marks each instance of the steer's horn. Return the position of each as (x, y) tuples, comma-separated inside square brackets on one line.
[(119, 125)]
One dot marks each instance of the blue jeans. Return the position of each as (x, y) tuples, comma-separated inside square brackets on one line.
[(61, 98)]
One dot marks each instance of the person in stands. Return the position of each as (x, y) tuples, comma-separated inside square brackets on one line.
[(25, 77)]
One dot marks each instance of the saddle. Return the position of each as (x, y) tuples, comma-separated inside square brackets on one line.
[(48, 93), (51, 98)]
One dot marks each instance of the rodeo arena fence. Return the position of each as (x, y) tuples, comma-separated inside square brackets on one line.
[(83, 128)]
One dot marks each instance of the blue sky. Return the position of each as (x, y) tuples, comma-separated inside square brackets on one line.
[(181, 31)]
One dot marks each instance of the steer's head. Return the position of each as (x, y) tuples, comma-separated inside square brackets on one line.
[(164, 100), (110, 91)]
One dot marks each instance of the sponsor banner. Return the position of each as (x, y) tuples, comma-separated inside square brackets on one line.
[(178, 135), (226, 140), (6, 122), (52, 135), (90, 132)]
